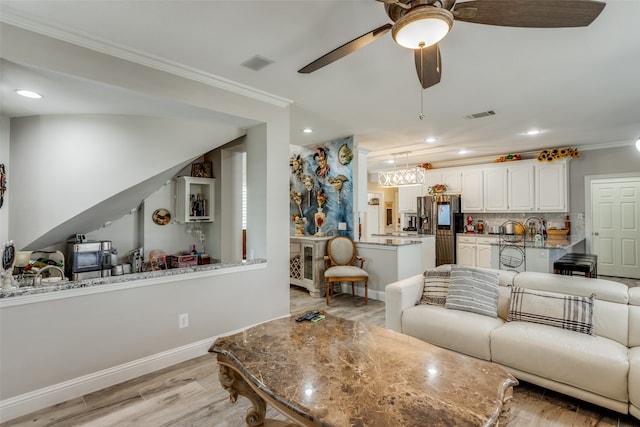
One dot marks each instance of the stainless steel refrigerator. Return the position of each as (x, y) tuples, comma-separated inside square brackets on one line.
[(440, 215)]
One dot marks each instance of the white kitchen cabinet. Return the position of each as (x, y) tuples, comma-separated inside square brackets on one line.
[(520, 187), (495, 189), (408, 197), (483, 253), (194, 199), (551, 180), (472, 191), (466, 250), (475, 250), (451, 177), (466, 254)]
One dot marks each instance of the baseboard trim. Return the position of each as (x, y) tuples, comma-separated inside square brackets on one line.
[(25, 403)]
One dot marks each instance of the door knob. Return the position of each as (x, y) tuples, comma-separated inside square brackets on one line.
[(596, 234)]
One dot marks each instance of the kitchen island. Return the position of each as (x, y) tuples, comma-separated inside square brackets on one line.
[(428, 246), (538, 257), (388, 259)]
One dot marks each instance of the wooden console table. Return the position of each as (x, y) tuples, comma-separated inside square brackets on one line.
[(306, 263), (339, 372)]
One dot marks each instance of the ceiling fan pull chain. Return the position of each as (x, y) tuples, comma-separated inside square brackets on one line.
[(421, 77)]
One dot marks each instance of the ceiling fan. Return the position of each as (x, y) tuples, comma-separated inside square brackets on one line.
[(421, 24)]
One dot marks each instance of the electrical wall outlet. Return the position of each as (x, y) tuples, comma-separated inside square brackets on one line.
[(342, 226), (183, 320)]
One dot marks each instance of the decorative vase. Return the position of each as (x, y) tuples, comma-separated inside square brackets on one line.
[(319, 218), (300, 229)]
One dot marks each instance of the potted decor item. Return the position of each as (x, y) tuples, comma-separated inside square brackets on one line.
[(299, 222), (320, 216), (437, 189)]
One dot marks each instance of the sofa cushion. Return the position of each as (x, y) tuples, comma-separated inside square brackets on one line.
[(588, 362), (473, 290), (459, 331), (571, 312), (634, 376), (436, 286), (634, 316)]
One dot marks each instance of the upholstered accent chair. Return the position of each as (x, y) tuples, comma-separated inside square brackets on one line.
[(343, 264)]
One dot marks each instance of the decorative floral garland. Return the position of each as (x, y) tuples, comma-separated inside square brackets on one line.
[(557, 154), (437, 188)]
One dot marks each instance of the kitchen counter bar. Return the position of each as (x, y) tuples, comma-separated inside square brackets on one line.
[(388, 241), (61, 289), (515, 240)]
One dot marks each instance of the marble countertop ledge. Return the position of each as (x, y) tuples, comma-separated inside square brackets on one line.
[(546, 244), (88, 283), (388, 241)]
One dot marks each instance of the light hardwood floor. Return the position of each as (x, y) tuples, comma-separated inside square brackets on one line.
[(189, 394)]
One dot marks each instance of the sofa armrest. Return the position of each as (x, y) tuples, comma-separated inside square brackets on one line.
[(400, 296)]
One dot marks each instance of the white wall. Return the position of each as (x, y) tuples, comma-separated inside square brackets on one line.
[(44, 344), (90, 158), (5, 158)]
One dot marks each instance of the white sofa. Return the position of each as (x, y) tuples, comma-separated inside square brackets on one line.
[(603, 368)]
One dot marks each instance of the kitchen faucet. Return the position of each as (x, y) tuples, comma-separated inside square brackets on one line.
[(36, 278), (540, 221)]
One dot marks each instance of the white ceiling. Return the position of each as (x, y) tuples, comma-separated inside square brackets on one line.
[(580, 86)]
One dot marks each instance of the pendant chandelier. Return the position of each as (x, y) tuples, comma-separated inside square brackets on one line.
[(401, 177)]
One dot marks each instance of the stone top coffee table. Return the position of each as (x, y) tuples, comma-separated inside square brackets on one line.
[(339, 372)]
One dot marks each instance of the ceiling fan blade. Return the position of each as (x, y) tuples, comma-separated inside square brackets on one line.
[(346, 49), (428, 65), (529, 13)]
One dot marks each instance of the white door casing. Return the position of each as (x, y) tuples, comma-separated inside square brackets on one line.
[(613, 225)]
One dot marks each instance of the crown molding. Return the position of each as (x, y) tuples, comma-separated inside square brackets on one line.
[(11, 17)]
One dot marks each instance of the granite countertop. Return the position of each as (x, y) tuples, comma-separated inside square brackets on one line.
[(546, 244), (339, 372), (68, 284), (388, 241), (411, 235)]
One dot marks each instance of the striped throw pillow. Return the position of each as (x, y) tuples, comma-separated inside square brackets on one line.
[(473, 290), (436, 286), (571, 312)]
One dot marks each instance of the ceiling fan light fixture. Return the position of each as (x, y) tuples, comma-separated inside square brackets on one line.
[(422, 27)]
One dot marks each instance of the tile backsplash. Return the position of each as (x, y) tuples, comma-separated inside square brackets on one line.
[(553, 219)]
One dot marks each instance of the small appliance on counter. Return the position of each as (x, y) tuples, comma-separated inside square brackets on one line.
[(410, 222), (136, 257), (469, 228), (88, 259)]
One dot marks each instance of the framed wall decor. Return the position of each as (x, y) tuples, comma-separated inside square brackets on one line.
[(201, 170)]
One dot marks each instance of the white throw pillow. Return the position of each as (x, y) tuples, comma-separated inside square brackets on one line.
[(473, 290), (571, 312), (436, 286)]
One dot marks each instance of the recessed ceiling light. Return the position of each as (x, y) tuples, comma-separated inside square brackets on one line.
[(532, 132), (430, 139), (463, 151), (28, 93), (307, 130), (390, 161)]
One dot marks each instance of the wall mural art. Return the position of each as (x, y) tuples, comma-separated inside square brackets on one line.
[(321, 189)]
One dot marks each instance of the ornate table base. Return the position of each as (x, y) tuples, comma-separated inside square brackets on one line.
[(232, 381)]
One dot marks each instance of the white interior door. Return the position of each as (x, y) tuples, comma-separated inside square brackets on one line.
[(615, 225)]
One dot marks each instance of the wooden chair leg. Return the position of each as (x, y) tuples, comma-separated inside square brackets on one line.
[(366, 292), (353, 289), (327, 290)]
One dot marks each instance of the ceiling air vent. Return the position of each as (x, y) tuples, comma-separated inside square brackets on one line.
[(257, 62), (480, 115)]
